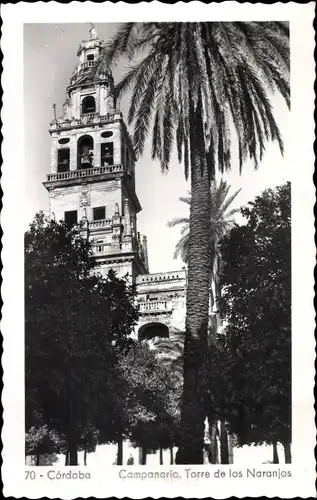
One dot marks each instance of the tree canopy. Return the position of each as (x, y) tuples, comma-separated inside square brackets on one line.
[(226, 70), (251, 375), (76, 323), (152, 398)]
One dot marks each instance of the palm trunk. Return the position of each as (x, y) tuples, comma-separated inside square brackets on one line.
[(287, 452), (85, 457), (275, 454), (72, 431), (171, 456), (161, 456), (193, 413), (230, 448), (73, 454), (142, 459), (120, 452), (72, 437), (37, 458), (224, 448), (207, 449), (67, 458), (213, 442)]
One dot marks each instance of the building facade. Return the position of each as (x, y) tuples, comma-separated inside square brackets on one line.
[(92, 183)]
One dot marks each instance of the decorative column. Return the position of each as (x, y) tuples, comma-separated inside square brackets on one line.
[(116, 227), (84, 203), (140, 248), (84, 225), (54, 155), (127, 236), (144, 245), (117, 145), (108, 105), (73, 152), (66, 109), (101, 109), (97, 151)]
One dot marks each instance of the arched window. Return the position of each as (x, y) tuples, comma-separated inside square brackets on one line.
[(107, 153), (151, 330), (88, 105), (85, 148), (63, 160)]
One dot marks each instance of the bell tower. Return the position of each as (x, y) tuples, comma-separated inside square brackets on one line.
[(91, 181)]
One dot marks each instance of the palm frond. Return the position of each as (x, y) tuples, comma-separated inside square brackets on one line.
[(177, 221), (120, 43), (221, 221), (223, 73), (185, 199), (168, 130), (156, 151), (182, 248), (143, 105)]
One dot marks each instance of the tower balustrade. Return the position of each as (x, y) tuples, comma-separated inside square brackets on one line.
[(153, 306), (86, 118), (87, 172)]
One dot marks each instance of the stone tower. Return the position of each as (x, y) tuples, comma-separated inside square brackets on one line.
[(92, 180)]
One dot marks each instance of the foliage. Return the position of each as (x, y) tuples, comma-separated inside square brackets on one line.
[(152, 397), (41, 441), (224, 68), (221, 219), (251, 372), (86, 381), (42, 445), (169, 351), (76, 325)]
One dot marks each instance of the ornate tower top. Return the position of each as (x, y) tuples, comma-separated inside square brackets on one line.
[(93, 32), (91, 66), (92, 180), (89, 95)]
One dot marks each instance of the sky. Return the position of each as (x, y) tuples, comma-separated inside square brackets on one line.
[(49, 60)]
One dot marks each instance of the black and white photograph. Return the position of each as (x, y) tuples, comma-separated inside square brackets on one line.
[(158, 253)]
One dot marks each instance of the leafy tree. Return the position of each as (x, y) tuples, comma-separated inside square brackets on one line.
[(76, 325), (170, 354), (151, 402), (40, 441), (195, 84), (169, 351), (254, 367)]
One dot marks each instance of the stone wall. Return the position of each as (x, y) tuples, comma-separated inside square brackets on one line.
[(105, 193)]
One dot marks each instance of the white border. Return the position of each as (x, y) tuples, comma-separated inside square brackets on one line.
[(106, 483)]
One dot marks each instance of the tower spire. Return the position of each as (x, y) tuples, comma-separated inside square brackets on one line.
[(92, 32)]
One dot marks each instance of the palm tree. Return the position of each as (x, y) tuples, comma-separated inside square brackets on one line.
[(221, 220), (195, 84)]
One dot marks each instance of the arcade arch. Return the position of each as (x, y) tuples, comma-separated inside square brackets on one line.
[(149, 331)]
